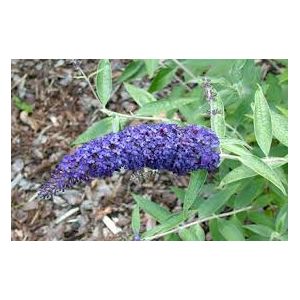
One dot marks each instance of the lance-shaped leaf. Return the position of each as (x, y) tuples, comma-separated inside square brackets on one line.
[(216, 201), (256, 164), (104, 81), (151, 66), (280, 127), (156, 211), (135, 220), (196, 182), (140, 96), (242, 172), (155, 108), (98, 129), (262, 122)]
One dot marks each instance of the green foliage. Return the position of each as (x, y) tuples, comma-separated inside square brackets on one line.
[(98, 129), (132, 70), (246, 199), (140, 96), (157, 107), (151, 66), (280, 127), (135, 220), (196, 182), (262, 122), (162, 78), (104, 81), (22, 105), (194, 233)]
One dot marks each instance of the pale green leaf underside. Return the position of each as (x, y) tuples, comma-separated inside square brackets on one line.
[(280, 127), (135, 220), (155, 108), (140, 96), (261, 168), (104, 81), (98, 129), (156, 211), (262, 122), (242, 172), (197, 180)]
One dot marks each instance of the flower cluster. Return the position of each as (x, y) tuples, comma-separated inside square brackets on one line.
[(156, 146)]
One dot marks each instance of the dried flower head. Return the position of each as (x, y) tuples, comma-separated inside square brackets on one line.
[(209, 92), (156, 146)]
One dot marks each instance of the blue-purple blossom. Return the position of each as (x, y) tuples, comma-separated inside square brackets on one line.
[(156, 146)]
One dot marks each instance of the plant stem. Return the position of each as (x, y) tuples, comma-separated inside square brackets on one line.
[(184, 68), (198, 222), (112, 113), (228, 156), (234, 131), (89, 83)]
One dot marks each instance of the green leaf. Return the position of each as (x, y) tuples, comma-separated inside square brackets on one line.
[(214, 230), (104, 81), (233, 141), (140, 96), (237, 174), (116, 124), (22, 105), (259, 217), (218, 119), (172, 237), (159, 213), (236, 149), (259, 229), (173, 221), (155, 108), (281, 222), (193, 233), (242, 172), (135, 220), (283, 77), (98, 129), (151, 66), (283, 110), (131, 70), (162, 78), (261, 168), (230, 231), (262, 122), (250, 191), (216, 201), (197, 180), (280, 127)]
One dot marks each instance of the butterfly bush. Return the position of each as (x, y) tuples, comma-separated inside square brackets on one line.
[(156, 146)]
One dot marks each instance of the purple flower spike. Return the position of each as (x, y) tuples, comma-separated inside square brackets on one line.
[(156, 146)]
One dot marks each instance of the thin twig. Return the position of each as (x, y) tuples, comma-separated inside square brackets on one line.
[(234, 131), (33, 197), (228, 156), (69, 213), (198, 222), (89, 83), (184, 68), (112, 113)]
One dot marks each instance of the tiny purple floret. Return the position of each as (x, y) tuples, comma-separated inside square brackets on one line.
[(156, 146)]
